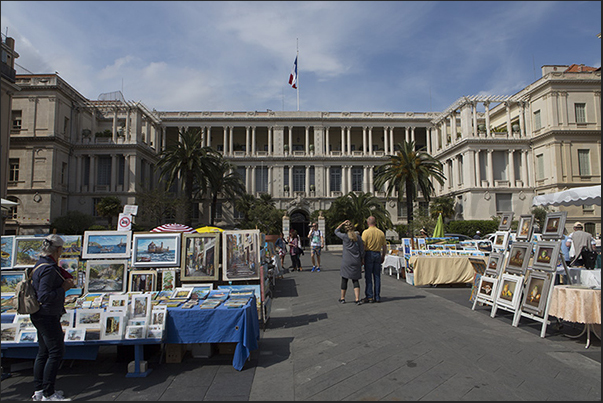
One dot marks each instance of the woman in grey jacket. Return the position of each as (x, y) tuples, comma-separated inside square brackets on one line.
[(352, 259)]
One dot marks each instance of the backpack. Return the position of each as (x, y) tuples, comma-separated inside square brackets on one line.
[(25, 293)]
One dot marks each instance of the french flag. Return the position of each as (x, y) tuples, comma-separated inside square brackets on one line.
[(293, 75)]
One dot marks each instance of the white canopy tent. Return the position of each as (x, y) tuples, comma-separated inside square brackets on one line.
[(581, 196), (7, 204)]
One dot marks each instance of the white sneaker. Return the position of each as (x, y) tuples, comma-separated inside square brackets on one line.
[(38, 395), (56, 396)]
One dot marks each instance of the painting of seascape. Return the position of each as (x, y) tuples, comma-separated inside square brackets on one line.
[(106, 244), (156, 249)]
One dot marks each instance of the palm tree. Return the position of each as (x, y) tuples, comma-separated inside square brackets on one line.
[(188, 160), (225, 181), (357, 208), (244, 204), (444, 205), (407, 172), (109, 207)]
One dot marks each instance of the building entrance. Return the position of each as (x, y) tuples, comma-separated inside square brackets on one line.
[(300, 222)]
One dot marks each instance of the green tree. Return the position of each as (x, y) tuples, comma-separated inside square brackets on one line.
[(444, 205), (244, 204), (409, 171), (109, 207), (73, 223), (540, 213), (225, 181), (188, 160), (156, 206)]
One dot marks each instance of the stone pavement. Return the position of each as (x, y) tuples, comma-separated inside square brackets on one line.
[(419, 343)]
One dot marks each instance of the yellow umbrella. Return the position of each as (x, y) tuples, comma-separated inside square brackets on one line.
[(208, 229), (438, 231)]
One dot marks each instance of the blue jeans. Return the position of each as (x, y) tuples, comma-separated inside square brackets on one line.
[(372, 275), (51, 349)]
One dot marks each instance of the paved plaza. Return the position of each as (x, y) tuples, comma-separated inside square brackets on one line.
[(419, 343)]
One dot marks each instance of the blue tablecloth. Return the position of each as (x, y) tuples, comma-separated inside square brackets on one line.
[(217, 325)]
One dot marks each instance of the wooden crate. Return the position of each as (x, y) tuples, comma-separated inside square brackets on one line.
[(226, 348)]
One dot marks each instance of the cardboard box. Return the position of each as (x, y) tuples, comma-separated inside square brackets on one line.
[(202, 350), (174, 353), (226, 348), (143, 366)]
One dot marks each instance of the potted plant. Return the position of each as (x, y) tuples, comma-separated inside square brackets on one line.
[(286, 188), (311, 148), (286, 147), (312, 188)]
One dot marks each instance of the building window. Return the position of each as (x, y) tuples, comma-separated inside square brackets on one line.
[(64, 173), (504, 202), (218, 212), (286, 176), (357, 179), (16, 119), (299, 179), (584, 162), (261, 179), (86, 173), (66, 125), (312, 176), (540, 167), (335, 179), (580, 113), (537, 122), (590, 228), (104, 171), (13, 170), (121, 170), (238, 215)]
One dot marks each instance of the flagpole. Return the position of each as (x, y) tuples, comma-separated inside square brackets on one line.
[(297, 58)]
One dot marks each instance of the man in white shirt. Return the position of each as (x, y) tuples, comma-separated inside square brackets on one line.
[(577, 240), (317, 242)]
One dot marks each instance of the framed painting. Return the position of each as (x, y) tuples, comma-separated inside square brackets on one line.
[(75, 334), (155, 332), (142, 280), (519, 257), (182, 293), (106, 244), (113, 325), (241, 255), (158, 317), (554, 223), (23, 321), (479, 265), (10, 331), (28, 336), (525, 227), (27, 251), (200, 257), (495, 264), (9, 280), (487, 288), (156, 249), (72, 246), (88, 318), (106, 276), (536, 291), (546, 255), (168, 280), (140, 306), (505, 221), (71, 265), (8, 251), (501, 241), (68, 319), (509, 291), (135, 332), (117, 302)]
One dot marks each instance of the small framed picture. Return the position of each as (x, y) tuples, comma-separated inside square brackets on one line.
[(554, 223), (106, 244), (72, 246), (156, 249), (9, 280), (546, 255), (536, 291), (155, 332), (118, 302), (495, 264), (509, 291), (70, 264), (23, 321), (8, 251), (135, 332), (200, 257), (27, 251), (525, 228), (519, 257), (112, 325), (501, 241), (10, 332), (106, 275), (142, 280), (140, 306), (182, 293), (487, 288), (168, 280), (505, 221), (158, 317), (88, 318), (28, 336), (68, 319), (75, 334)]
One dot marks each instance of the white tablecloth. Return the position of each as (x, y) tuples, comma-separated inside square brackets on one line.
[(398, 263), (591, 278)]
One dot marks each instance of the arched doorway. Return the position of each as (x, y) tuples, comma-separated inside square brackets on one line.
[(300, 221)]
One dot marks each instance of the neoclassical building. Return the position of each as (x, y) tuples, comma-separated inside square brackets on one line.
[(67, 152)]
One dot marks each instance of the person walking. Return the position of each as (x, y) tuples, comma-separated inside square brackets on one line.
[(50, 284), (375, 249), (352, 259), (317, 242), (295, 251), (577, 240), (281, 245)]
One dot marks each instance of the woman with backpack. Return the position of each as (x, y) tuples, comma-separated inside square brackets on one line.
[(50, 283)]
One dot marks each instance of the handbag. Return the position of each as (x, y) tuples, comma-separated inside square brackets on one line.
[(589, 257)]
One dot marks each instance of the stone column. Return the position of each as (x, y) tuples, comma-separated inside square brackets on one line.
[(290, 147), (522, 122), (253, 141), (478, 170), (113, 173), (469, 168), (343, 147), (474, 116), (391, 140), (328, 180), (270, 179), (290, 180), (349, 175), (406, 134), (385, 141), (327, 141), (526, 172), (428, 138), (490, 171), (370, 140), (307, 181), (487, 113), (253, 176), (225, 141), (114, 125), (247, 142), (453, 127), (509, 126), (511, 162), (371, 173), (364, 140), (270, 140), (307, 145), (230, 140)]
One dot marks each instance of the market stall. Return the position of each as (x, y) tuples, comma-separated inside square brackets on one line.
[(441, 270)]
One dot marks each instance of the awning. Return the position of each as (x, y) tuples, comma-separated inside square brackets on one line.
[(7, 204), (581, 196)]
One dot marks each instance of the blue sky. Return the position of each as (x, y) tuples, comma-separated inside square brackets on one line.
[(353, 56)]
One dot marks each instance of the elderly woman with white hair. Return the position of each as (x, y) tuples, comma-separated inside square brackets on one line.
[(50, 283)]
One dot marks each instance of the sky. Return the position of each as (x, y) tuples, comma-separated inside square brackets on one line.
[(391, 56)]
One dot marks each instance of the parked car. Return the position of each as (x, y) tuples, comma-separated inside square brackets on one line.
[(461, 237)]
